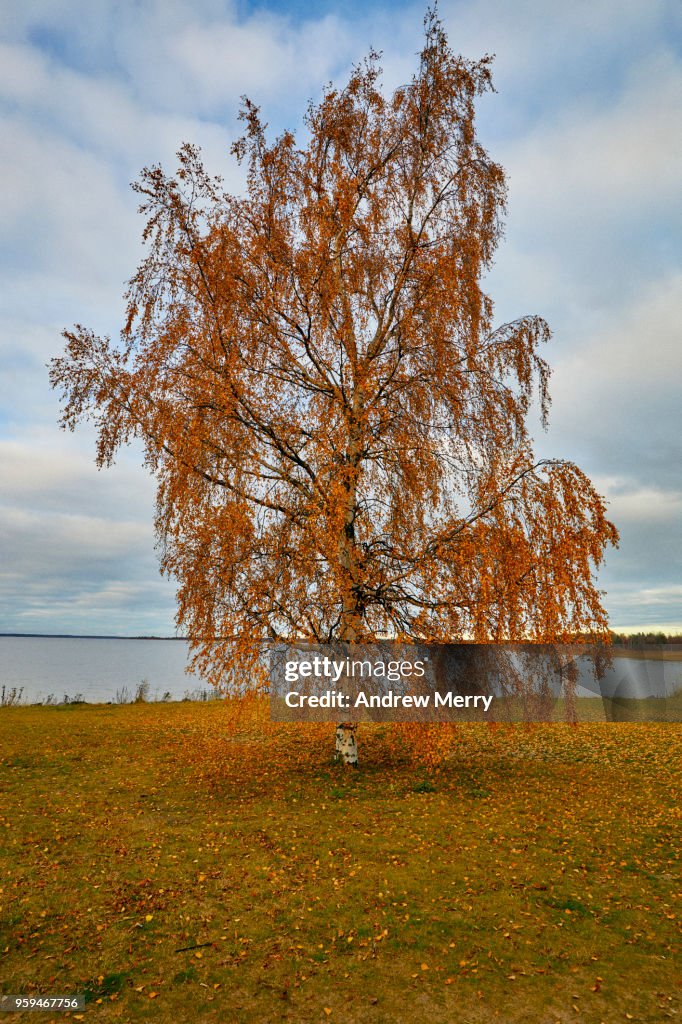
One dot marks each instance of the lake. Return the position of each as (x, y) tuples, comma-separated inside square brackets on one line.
[(100, 670), (94, 669)]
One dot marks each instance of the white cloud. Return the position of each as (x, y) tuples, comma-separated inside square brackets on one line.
[(616, 388), (638, 601), (634, 352), (61, 571), (68, 216), (595, 159), (540, 41), (586, 123), (44, 540), (263, 55), (644, 505), (53, 471)]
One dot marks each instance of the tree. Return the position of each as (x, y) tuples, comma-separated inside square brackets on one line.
[(337, 429)]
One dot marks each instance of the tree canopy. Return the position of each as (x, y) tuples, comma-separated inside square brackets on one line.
[(336, 425)]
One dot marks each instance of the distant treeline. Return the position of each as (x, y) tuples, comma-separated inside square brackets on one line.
[(637, 639)]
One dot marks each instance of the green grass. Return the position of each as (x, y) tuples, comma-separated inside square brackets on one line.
[(532, 877)]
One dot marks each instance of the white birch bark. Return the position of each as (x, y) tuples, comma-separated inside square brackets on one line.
[(346, 745)]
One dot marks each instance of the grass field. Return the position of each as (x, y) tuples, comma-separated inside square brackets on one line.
[(178, 863)]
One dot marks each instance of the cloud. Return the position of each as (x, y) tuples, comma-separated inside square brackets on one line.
[(585, 123), (594, 200), (563, 47), (66, 571), (194, 60), (263, 55), (53, 472), (648, 505), (61, 570), (594, 159), (77, 545), (616, 389), (647, 608)]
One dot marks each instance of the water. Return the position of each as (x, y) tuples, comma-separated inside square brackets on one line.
[(631, 677), (94, 670), (98, 671)]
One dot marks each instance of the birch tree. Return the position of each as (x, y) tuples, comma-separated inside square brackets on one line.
[(337, 427)]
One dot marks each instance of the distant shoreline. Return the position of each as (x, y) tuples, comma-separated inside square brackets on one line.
[(87, 636), (649, 652)]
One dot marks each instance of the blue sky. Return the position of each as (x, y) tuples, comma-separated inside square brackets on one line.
[(587, 120)]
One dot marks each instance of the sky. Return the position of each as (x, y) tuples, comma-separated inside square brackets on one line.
[(587, 121)]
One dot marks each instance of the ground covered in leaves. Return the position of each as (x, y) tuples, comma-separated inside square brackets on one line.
[(192, 862)]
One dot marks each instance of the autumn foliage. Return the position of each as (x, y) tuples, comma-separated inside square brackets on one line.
[(336, 424)]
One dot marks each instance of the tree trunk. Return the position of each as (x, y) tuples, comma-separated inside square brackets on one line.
[(351, 625), (346, 746)]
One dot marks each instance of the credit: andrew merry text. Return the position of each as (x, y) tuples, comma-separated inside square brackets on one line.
[(343, 701)]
